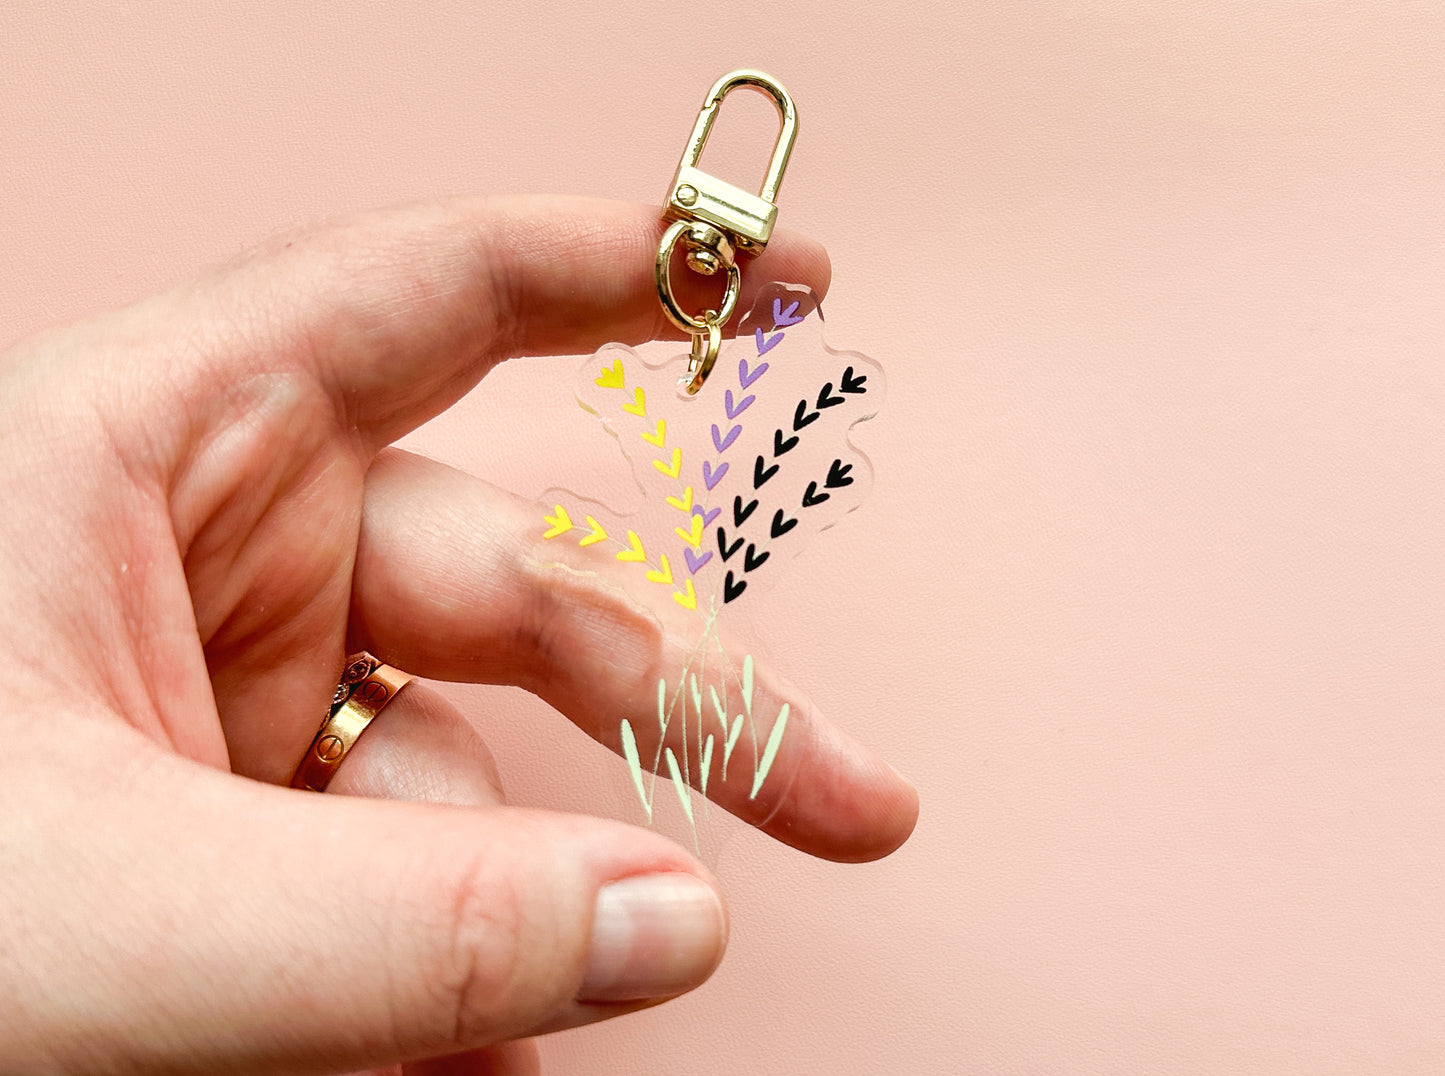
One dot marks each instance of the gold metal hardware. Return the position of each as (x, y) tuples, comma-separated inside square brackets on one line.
[(705, 346), (745, 219), (716, 221), (663, 271)]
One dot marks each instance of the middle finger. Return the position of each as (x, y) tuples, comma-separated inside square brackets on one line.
[(452, 582)]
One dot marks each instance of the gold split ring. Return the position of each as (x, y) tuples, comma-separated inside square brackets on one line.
[(365, 688), (705, 347)]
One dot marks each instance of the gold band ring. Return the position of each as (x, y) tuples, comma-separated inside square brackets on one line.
[(365, 688)]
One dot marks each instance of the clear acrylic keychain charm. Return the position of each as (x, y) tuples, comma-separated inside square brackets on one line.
[(739, 453)]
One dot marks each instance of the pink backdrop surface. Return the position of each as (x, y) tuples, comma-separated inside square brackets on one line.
[(1149, 599)]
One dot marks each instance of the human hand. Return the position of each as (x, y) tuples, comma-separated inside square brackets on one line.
[(201, 516)]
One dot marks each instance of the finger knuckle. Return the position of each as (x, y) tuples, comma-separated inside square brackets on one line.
[(480, 975)]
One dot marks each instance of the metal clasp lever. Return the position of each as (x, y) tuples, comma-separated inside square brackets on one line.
[(716, 221)]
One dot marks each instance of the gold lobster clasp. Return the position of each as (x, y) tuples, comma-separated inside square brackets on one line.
[(745, 219), (716, 220)]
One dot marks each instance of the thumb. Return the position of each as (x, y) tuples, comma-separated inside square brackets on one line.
[(236, 927)]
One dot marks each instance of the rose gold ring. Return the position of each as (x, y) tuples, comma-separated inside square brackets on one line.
[(365, 688)]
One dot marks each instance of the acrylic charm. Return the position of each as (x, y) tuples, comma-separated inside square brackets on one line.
[(733, 484), (738, 448)]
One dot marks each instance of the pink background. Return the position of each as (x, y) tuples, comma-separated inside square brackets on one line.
[(1150, 595)]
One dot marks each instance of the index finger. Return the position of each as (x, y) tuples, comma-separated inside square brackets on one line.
[(400, 312)]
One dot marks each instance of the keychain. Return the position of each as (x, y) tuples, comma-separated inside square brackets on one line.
[(717, 221), (739, 450)]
